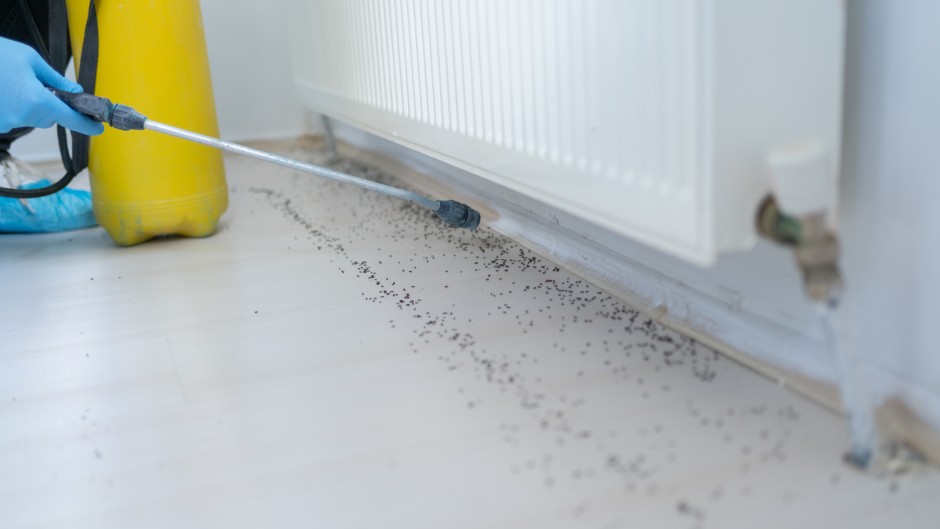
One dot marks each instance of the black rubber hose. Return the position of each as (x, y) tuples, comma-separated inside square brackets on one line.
[(52, 188), (39, 191), (63, 150)]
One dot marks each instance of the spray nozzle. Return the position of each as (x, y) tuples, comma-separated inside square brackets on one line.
[(457, 214)]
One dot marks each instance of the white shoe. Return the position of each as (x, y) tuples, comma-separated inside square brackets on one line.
[(12, 176)]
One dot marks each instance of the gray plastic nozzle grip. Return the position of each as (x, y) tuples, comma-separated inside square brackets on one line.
[(101, 109), (97, 108)]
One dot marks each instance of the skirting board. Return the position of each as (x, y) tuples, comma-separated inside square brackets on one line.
[(714, 319)]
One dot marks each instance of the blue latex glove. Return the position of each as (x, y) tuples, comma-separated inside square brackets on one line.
[(24, 100)]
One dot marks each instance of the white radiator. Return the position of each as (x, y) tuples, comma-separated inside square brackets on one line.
[(649, 117)]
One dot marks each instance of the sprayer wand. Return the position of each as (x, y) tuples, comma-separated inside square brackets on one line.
[(123, 117)]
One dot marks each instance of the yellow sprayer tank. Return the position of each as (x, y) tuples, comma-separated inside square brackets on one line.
[(152, 56)]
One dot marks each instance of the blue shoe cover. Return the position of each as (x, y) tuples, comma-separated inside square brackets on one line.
[(69, 209)]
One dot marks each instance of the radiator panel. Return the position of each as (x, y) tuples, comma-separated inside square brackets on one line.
[(607, 110)]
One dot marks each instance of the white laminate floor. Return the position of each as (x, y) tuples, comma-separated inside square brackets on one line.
[(337, 359)]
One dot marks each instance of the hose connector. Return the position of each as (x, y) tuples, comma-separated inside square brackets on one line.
[(126, 118), (804, 193), (101, 109)]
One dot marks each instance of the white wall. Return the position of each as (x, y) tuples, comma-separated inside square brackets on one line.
[(251, 69), (251, 77), (891, 219)]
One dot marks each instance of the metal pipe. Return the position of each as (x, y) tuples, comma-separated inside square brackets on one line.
[(408, 196), (330, 137)]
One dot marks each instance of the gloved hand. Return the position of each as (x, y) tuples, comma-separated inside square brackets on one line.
[(24, 99)]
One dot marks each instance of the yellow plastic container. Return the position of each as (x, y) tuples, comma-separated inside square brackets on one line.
[(152, 56)]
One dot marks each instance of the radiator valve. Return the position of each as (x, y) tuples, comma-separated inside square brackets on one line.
[(796, 214)]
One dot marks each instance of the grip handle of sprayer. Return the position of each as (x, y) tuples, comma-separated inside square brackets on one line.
[(101, 109), (97, 108)]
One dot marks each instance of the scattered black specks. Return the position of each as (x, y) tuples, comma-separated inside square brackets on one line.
[(684, 508), (517, 294)]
